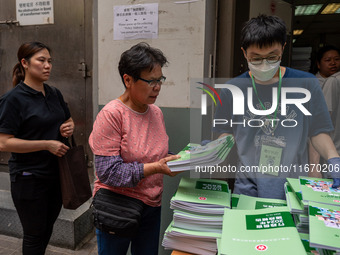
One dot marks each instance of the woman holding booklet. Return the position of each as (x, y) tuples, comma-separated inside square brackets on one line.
[(130, 144)]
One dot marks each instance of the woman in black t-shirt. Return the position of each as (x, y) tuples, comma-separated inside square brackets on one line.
[(33, 120)]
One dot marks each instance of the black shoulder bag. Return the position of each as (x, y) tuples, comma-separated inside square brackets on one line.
[(116, 214)]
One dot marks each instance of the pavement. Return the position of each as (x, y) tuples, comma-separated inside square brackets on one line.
[(12, 246)]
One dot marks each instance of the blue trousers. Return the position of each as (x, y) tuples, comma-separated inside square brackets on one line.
[(144, 243)]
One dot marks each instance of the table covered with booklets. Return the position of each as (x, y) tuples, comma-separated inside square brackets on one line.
[(208, 219)]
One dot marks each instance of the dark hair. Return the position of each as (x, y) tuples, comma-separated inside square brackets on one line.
[(263, 31), (138, 58), (325, 49), (26, 51)]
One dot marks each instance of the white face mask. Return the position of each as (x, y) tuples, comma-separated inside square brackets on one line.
[(265, 71)]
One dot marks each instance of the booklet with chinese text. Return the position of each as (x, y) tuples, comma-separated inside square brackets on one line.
[(266, 231)]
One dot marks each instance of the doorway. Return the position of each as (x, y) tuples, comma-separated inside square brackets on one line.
[(70, 39)]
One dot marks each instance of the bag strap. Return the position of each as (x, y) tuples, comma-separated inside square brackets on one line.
[(73, 141)]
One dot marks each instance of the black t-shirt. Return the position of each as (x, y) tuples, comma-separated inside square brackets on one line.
[(28, 114)]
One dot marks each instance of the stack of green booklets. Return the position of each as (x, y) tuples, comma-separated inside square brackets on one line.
[(323, 210), (199, 206), (297, 207), (196, 155)]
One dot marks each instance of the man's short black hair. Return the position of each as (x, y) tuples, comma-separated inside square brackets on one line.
[(138, 58), (263, 31)]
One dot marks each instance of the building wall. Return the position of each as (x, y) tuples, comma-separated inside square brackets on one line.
[(181, 38)]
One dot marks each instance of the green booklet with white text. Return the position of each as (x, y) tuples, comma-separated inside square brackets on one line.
[(250, 203), (319, 190), (267, 231), (324, 226), (206, 196)]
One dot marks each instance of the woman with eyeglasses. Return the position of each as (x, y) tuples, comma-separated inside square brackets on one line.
[(130, 144)]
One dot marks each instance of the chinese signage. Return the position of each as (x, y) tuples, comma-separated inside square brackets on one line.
[(34, 12), (135, 21)]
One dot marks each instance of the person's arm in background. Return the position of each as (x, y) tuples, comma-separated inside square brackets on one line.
[(324, 145)]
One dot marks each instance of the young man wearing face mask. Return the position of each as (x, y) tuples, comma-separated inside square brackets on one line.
[(274, 145)]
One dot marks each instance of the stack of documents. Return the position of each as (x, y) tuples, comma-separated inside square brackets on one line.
[(323, 212), (195, 155), (297, 207), (199, 206)]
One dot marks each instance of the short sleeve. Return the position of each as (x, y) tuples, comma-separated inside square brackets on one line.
[(320, 121), (10, 116), (105, 138), (331, 93)]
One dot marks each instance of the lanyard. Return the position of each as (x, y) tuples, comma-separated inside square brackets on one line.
[(278, 92)]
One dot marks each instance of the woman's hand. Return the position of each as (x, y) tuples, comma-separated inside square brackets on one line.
[(57, 148), (67, 128), (160, 167)]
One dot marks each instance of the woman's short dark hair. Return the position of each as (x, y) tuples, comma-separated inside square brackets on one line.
[(325, 49), (26, 51), (263, 31), (138, 58)]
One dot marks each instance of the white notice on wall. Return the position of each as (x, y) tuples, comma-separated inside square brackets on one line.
[(135, 21), (34, 12)]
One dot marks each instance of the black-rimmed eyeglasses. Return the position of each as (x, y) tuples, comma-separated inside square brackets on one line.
[(270, 59), (153, 83)]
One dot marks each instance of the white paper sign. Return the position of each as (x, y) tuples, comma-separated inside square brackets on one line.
[(135, 21), (34, 12)]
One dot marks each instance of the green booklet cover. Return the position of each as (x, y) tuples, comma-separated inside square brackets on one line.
[(296, 188), (201, 196), (293, 203), (267, 231), (319, 190), (250, 203), (324, 226)]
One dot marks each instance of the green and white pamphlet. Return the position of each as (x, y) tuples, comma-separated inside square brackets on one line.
[(196, 155), (324, 226), (267, 231), (207, 196), (250, 203), (293, 203), (319, 190)]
